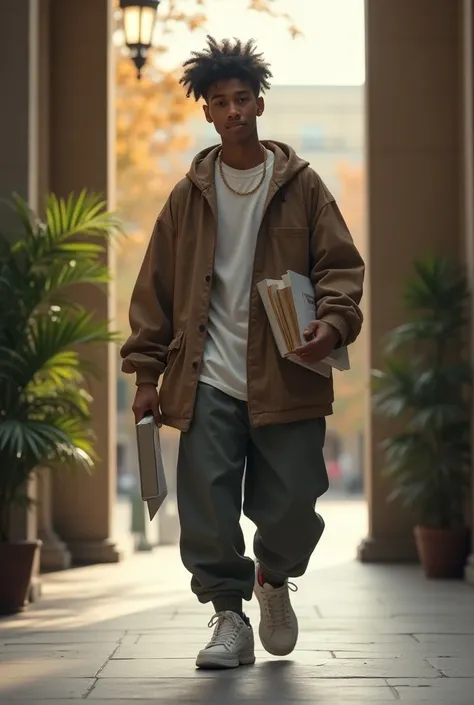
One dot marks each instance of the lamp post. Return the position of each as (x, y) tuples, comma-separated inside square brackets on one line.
[(138, 22)]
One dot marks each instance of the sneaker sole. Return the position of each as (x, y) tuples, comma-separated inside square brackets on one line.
[(205, 661), (268, 646), (271, 649)]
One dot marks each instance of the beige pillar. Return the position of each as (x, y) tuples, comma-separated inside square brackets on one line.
[(19, 83), (414, 184), (54, 552), (20, 168), (468, 63), (81, 155)]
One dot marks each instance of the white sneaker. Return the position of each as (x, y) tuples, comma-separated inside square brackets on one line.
[(231, 645), (278, 623)]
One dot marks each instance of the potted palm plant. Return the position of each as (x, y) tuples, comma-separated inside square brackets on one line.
[(44, 402), (424, 388)]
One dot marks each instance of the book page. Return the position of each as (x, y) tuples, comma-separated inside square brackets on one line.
[(305, 305), (304, 300), (263, 289), (273, 290), (288, 306), (271, 310)]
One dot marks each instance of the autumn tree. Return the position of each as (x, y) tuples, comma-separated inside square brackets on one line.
[(151, 137), (350, 386)]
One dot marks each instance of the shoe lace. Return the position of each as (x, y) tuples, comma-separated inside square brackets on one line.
[(278, 607), (226, 629)]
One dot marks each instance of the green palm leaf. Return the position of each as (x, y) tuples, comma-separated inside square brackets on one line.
[(49, 341), (29, 438), (84, 271), (58, 401), (45, 406), (83, 216)]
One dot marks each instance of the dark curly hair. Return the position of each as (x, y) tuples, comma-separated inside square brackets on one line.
[(224, 60)]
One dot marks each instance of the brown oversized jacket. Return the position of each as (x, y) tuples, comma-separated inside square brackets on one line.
[(302, 230)]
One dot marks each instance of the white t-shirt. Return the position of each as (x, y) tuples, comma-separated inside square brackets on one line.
[(239, 219)]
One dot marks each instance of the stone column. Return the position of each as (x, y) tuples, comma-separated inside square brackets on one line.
[(21, 42), (414, 180), (82, 156), (468, 63), (54, 552), (19, 84)]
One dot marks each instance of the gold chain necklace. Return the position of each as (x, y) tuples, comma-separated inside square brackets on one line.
[(246, 193)]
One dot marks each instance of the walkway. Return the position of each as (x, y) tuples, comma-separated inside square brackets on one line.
[(131, 632)]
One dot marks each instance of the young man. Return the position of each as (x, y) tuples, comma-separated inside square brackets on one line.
[(246, 211)]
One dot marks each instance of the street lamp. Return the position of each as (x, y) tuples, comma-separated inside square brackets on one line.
[(138, 22)]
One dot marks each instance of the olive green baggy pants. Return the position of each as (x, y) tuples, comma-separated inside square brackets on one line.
[(284, 475)]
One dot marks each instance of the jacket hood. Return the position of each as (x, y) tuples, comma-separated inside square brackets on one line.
[(287, 165)]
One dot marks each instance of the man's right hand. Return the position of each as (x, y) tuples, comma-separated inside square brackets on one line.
[(146, 401)]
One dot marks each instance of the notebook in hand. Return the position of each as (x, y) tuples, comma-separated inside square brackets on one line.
[(290, 306), (152, 473)]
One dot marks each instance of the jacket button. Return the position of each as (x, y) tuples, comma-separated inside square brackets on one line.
[(202, 328), (195, 365), (208, 277)]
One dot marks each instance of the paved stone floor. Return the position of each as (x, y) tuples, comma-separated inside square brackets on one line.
[(131, 632)]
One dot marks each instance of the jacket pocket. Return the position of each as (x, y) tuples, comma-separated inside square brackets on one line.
[(289, 249)]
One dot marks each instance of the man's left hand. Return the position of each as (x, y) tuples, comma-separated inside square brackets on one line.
[(322, 340)]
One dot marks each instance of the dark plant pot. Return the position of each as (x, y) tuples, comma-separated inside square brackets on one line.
[(443, 552), (16, 567)]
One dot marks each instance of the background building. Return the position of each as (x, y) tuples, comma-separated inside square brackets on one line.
[(324, 124)]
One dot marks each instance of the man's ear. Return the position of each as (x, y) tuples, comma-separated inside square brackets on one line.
[(260, 106), (207, 113)]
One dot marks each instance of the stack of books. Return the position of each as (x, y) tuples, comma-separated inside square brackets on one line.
[(290, 306)]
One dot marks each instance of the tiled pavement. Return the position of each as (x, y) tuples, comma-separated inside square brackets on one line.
[(131, 632)]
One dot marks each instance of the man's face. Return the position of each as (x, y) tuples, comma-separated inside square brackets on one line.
[(233, 109)]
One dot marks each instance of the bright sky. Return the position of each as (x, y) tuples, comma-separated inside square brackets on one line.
[(330, 53)]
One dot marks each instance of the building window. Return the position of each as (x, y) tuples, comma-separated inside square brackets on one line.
[(312, 138), (315, 139)]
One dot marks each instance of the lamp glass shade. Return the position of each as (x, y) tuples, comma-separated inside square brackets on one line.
[(138, 23), (147, 25), (131, 24)]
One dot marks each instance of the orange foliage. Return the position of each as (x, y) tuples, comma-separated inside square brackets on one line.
[(151, 117), (350, 386)]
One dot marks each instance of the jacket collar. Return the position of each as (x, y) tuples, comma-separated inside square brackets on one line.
[(287, 165)]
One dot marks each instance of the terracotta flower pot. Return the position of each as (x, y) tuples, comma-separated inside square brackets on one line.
[(443, 552), (16, 567)]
